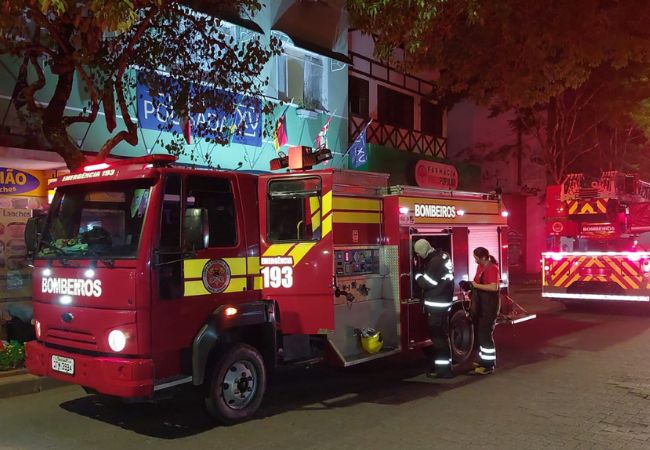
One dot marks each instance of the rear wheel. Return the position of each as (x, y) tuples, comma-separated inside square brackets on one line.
[(237, 385), (461, 337)]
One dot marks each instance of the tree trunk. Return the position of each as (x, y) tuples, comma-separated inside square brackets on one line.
[(53, 128)]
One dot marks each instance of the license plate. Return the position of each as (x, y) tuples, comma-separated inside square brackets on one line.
[(63, 365)]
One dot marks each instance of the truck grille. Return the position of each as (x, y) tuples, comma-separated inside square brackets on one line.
[(78, 339)]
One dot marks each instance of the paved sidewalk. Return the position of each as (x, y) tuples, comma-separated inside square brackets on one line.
[(19, 382)]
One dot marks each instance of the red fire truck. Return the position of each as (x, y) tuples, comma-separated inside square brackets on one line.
[(597, 239), (148, 275)]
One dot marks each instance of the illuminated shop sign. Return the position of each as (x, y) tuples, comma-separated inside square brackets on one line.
[(435, 211), (13, 181)]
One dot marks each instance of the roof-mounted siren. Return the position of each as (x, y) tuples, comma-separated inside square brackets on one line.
[(301, 158)]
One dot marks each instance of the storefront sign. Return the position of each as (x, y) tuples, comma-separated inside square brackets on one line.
[(435, 175), (246, 121), (14, 181)]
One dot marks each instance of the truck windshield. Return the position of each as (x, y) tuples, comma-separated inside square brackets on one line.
[(96, 220)]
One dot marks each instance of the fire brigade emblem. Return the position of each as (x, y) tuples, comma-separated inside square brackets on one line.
[(216, 276)]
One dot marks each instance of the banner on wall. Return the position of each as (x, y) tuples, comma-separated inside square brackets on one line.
[(15, 280), (246, 120)]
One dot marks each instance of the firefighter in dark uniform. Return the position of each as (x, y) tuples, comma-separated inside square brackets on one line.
[(436, 278)]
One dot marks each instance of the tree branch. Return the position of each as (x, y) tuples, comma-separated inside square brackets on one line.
[(94, 99)]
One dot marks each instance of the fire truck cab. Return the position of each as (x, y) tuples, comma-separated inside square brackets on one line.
[(148, 275), (598, 246)]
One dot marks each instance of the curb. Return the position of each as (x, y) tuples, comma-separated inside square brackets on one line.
[(19, 382)]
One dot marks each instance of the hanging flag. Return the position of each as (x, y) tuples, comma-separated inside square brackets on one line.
[(280, 137), (321, 139), (359, 150), (186, 126)]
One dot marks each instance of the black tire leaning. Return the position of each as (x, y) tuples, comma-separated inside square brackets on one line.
[(462, 338), (221, 401)]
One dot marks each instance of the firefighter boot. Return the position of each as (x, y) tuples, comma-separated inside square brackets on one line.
[(480, 370)]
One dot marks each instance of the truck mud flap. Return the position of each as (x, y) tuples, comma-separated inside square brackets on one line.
[(512, 313)]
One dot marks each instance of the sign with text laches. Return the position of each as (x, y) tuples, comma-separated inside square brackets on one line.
[(246, 120)]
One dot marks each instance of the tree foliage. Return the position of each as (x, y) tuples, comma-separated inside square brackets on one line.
[(569, 67), (109, 45)]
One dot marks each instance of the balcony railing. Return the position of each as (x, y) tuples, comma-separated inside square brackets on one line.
[(398, 138), (391, 76)]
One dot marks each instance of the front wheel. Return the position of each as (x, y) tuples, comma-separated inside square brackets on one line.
[(461, 338), (237, 385)]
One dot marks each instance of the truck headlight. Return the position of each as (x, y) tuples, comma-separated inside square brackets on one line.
[(117, 340)]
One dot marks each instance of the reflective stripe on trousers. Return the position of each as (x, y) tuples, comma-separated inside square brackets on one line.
[(487, 354)]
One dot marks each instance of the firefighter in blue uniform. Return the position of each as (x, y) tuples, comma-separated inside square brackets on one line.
[(436, 279)]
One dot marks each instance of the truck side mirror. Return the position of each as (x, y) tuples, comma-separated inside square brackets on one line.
[(33, 230), (196, 228)]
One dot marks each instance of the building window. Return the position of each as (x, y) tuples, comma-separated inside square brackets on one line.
[(302, 79), (431, 118), (359, 93), (394, 108)]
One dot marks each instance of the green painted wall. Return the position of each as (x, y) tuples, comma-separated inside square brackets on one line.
[(399, 164), (300, 131)]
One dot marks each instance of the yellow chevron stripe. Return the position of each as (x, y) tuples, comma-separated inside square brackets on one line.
[(587, 209), (634, 282), (253, 263), (573, 280), (557, 270), (618, 281), (193, 268), (356, 217), (278, 249), (314, 204), (561, 281), (628, 267), (314, 208), (358, 204), (612, 265), (315, 221), (327, 224), (588, 278), (299, 251), (327, 203), (572, 207), (600, 206)]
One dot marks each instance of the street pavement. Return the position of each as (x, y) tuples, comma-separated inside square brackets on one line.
[(566, 380)]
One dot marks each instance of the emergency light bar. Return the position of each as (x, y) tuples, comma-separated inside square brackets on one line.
[(631, 298), (156, 160)]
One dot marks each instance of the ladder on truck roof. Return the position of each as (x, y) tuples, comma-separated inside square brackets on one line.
[(611, 184)]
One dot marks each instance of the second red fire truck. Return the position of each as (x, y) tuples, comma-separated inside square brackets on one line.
[(148, 275), (598, 246)]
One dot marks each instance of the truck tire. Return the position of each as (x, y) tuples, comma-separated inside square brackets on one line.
[(461, 337), (237, 385)]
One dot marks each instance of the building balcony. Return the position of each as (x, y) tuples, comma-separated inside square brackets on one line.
[(398, 138)]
